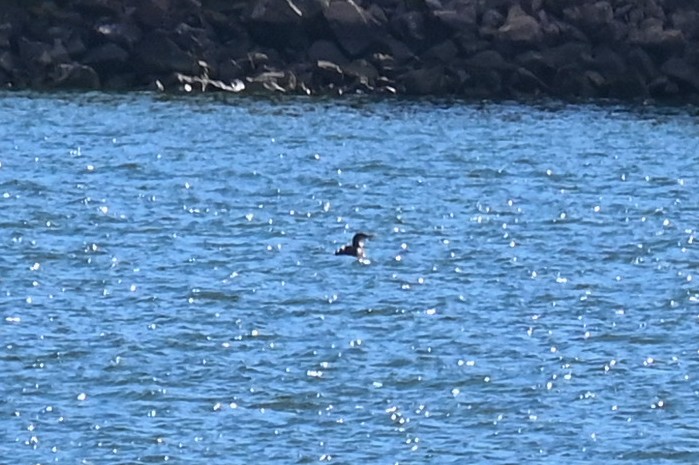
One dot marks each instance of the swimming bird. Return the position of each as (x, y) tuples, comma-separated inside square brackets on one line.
[(356, 248)]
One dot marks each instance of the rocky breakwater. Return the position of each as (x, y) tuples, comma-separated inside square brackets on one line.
[(474, 48)]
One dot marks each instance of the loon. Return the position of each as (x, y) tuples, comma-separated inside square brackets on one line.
[(356, 249)]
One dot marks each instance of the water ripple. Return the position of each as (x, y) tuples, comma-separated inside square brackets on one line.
[(169, 290)]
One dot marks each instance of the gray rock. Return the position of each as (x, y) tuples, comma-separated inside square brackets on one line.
[(484, 83), (630, 86), (324, 50), (154, 14), (572, 81), (283, 23), (569, 54), (457, 21), (597, 21), (489, 59), (34, 53), (535, 62), (492, 19), (383, 62), (328, 73), (662, 87), (354, 28), (523, 81), (192, 39), (120, 82), (499, 5), (443, 52), (687, 21), (229, 70), (691, 54), (157, 53), (39, 54), (8, 62), (558, 32), (285, 12), (362, 70), (608, 62), (456, 15), (110, 8), (107, 58), (641, 62), (400, 52), (75, 76), (424, 81), (125, 34), (470, 44), (651, 34), (520, 28), (6, 30), (411, 29), (75, 45), (681, 71)]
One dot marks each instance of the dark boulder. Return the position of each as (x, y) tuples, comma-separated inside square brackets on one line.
[(457, 16), (559, 32), (361, 70), (107, 58), (328, 74), (576, 54), (520, 28), (124, 34), (229, 70), (687, 21), (157, 53), (6, 30), (651, 35), (74, 76), (488, 59), (682, 72), (470, 43), (324, 50), (283, 23), (491, 20), (410, 27), (166, 14), (192, 39), (397, 50), (537, 64), (119, 82), (8, 62), (483, 83), (573, 81), (596, 20), (33, 52), (524, 82), (285, 12), (99, 8), (641, 62), (75, 46), (662, 87), (424, 81), (444, 53), (354, 28), (608, 62), (39, 55), (494, 5)]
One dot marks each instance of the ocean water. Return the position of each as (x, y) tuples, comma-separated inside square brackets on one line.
[(169, 292)]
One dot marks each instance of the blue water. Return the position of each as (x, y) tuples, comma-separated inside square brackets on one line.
[(169, 293)]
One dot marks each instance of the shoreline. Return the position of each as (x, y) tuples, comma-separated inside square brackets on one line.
[(472, 49)]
